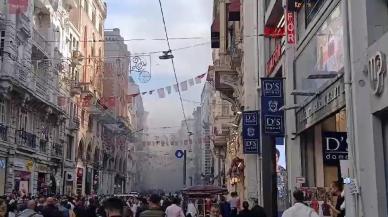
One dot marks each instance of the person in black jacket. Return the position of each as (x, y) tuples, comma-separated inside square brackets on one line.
[(257, 211), (51, 210), (245, 212)]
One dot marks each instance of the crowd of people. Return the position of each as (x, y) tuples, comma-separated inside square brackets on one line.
[(154, 205)]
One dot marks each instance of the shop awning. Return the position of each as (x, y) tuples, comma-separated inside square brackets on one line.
[(215, 33), (234, 10)]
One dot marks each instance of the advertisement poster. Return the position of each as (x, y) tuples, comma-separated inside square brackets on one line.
[(330, 47), (23, 187), (282, 178)]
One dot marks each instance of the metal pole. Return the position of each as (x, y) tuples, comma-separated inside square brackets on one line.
[(184, 167)]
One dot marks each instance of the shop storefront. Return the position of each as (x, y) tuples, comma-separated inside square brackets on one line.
[(43, 179), (96, 180), (3, 163), (79, 182), (321, 119), (23, 175), (88, 180), (119, 184), (68, 181)]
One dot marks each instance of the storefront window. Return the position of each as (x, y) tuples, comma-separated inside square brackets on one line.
[(324, 54)]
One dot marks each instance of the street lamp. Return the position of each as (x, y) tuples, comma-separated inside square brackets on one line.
[(303, 93), (285, 108), (166, 55)]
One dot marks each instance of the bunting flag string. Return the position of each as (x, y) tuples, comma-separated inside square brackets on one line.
[(111, 101)]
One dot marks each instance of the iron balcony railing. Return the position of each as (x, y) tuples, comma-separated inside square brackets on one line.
[(25, 139), (41, 41)]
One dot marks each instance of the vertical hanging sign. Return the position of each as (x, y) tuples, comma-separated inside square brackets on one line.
[(290, 27), (272, 99), (251, 132)]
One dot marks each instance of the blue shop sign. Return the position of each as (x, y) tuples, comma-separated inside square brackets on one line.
[(251, 132), (335, 147), (272, 99)]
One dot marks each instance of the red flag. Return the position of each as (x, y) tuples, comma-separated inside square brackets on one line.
[(17, 6), (161, 93), (184, 85), (198, 79)]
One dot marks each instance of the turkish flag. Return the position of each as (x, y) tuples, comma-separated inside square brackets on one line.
[(17, 6)]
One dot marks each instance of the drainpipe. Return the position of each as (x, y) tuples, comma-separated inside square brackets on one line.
[(354, 201)]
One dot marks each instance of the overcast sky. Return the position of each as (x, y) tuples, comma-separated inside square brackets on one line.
[(184, 18)]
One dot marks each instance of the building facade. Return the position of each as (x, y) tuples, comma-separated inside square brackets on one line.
[(59, 133), (35, 118)]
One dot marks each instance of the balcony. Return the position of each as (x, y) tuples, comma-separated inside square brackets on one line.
[(21, 74), (40, 41), (74, 123), (221, 136), (75, 88), (3, 132), (56, 150), (25, 139), (23, 25), (226, 80), (41, 88)]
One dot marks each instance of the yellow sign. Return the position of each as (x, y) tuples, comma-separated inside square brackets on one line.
[(29, 165)]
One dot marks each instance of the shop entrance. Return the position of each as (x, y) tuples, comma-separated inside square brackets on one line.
[(42, 185)]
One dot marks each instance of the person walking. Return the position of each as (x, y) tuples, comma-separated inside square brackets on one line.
[(225, 209), (234, 204), (3, 208), (257, 211), (154, 209), (191, 209), (299, 209), (51, 210), (174, 210), (30, 210), (143, 206), (79, 209), (245, 212), (337, 189), (113, 207)]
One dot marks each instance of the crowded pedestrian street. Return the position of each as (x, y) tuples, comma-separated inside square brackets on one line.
[(201, 108)]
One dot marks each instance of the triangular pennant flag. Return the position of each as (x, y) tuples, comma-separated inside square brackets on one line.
[(184, 85), (161, 93), (144, 93), (198, 79), (191, 82), (176, 87), (168, 89), (151, 92)]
